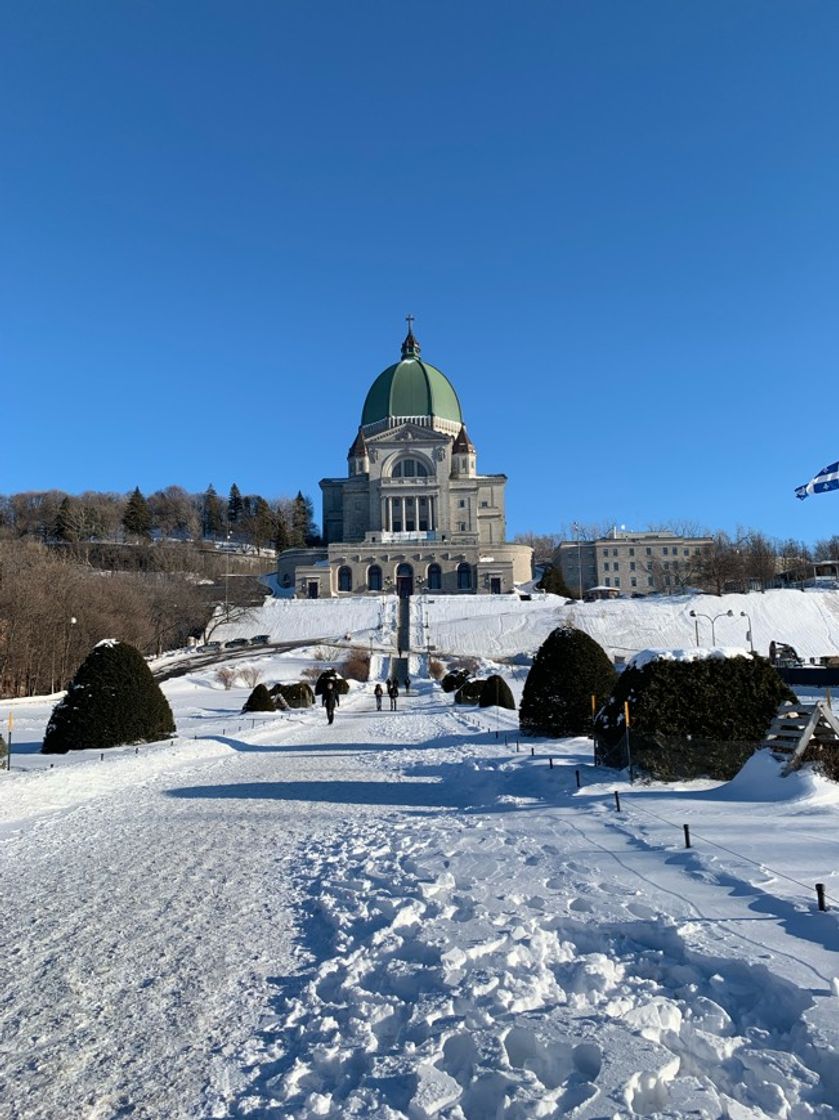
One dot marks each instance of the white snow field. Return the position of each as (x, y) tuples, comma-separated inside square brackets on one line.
[(401, 915)]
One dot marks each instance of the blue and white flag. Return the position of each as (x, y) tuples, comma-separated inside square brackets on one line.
[(828, 479)]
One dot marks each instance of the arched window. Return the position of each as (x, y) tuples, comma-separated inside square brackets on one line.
[(345, 579), (464, 577), (435, 577), (374, 578), (410, 468)]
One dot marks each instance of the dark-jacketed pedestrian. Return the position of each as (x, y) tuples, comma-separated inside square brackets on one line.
[(378, 692), (393, 693), (330, 699)]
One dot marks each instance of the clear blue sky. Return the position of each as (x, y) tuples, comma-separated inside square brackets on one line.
[(616, 224)]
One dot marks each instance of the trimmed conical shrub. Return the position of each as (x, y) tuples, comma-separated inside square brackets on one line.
[(496, 694), (259, 701), (569, 668), (703, 716), (113, 699)]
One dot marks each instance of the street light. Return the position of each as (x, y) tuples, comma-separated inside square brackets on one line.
[(576, 529), (747, 617), (712, 620)]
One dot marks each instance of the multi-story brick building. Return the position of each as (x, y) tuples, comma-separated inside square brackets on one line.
[(631, 563)]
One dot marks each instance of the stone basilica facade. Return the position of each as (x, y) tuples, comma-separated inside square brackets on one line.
[(413, 514)]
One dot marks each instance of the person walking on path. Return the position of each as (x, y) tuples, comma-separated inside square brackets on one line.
[(378, 692), (330, 699), (407, 685), (393, 692)]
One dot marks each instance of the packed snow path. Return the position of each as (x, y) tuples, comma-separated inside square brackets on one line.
[(394, 917)]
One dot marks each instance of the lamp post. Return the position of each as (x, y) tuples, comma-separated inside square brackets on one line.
[(576, 529), (227, 577), (748, 619), (712, 620)]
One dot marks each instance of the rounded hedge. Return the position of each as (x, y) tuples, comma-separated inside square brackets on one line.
[(470, 692), (298, 695), (112, 700), (673, 704), (341, 686), (259, 701), (568, 670), (454, 680), (496, 694)]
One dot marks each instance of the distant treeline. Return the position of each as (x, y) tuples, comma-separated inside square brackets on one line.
[(55, 517)]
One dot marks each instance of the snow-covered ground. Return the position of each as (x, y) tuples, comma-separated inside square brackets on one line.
[(402, 915)]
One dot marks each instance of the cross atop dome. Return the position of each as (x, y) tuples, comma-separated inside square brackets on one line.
[(410, 347)]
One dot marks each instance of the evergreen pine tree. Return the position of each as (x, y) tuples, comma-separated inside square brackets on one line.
[(234, 505), (259, 701), (262, 527), (113, 699), (213, 521), (280, 533), (63, 529), (568, 670), (554, 583), (302, 522), (136, 520)]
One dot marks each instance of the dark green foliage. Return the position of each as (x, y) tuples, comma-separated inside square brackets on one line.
[(303, 530), (261, 523), (470, 692), (64, 528), (212, 513), (496, 694), (569, 667), (137, 517), (113, 699), (259, 701), (690, 717), (554, 583), (298, 695), (281, 538), (454, 680), (234, 504), (338, 683)]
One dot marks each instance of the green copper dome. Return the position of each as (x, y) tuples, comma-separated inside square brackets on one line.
[(411, 388)]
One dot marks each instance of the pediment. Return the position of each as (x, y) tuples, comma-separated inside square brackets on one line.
[(409, 433)]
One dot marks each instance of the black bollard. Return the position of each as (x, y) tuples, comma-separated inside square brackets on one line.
[(577, 773), (617, 801), (101, 758), (550, 762), (820, 896), (687, 835)]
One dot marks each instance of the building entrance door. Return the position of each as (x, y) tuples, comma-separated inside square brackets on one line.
[(313, 589), (495, 585), (404, 581)]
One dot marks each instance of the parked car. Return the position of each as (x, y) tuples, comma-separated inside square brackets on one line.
[(209, 647), (236, 643), (260, 639)]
